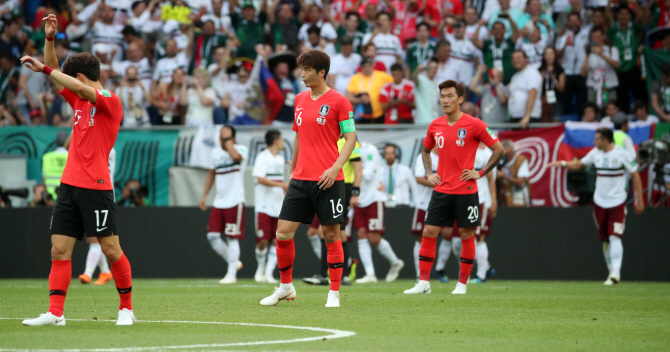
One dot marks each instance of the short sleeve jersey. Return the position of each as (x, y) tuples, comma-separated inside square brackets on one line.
[(481, 159), (229, 181), (269, 199), (348, 168), (457, 146), (611, 168), (94, 133), (317, 123)]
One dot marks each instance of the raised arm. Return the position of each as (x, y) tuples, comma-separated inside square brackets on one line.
[(475, 38), (73, 84), (50, 58)]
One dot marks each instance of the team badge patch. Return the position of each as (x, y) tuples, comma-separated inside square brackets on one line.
[(324, 110), (461, 133)]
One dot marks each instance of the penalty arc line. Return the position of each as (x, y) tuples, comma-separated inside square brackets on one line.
[(334, 334)]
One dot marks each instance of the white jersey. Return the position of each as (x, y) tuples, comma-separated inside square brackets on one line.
[(424, 193), (269, 199), (144, 70), (534, 52), (464, 52), (481, 159), (166, 66), (111, 164), (611, 168), (229, 183), (372, 180), (388, 46), (109, 34)]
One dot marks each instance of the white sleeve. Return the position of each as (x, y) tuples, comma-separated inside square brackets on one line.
[(211, 94), (157, 70), (366, 38), (537, 82), (243, 151), (328, 32), (413, 189), (614, 53), (88, 11), (629, 162), (589, 159), (419, 170), (523, 170), (561, 41), (260, 169), (368, 163)]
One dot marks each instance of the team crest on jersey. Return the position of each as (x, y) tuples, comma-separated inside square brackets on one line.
[(462, 133), (324, 110)]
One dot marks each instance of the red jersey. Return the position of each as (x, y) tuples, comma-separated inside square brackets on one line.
[(94, 133), (456, 148), (403, 91), (317, 123), (404, 21), (439, 9)]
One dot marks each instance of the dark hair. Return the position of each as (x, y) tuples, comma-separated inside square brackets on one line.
[(576, 14), (599, 9), (232, 130), (62, 42), (597, 29), (9, 57), (346, 40), (440, 43), (544, 64), (271, 136), (85, 63), (613, 104), (522, 53), (384, 13), (639, 104), (129, 30), (500, 23), (136, 4), (665, 68), (353, 13), (623, 7), (606, 133), (314, 30), (316, 59), (396, 67), (460, 89), (422, 24), (590, 105)]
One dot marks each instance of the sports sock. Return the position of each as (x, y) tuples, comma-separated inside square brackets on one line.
[(218, 245), (467, 259), (271, 262), (482, 257), (59, 281), (365, 252), (260, 256), (335, 264), (103, 265), (285, 258), (426, 257), (323, 269), (616, 255), (315, 241), (347, 267), (417, 248), (233, 256), (386, 251), (443, 253), (92, 259), (123, 279), (456, 246), (606, 252)]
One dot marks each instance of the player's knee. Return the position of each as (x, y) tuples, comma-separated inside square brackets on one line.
[(112, 251), (374, 239), (60, 252), (362, 234), (212, 236), (430, 231), (312, 232), (261, 245), (284, 236), (419, 238), (466, 233), (343, 236)]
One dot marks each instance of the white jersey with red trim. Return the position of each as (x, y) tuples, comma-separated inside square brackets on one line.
[(611, 168), (424, 193), (481, 159), (229, 182)]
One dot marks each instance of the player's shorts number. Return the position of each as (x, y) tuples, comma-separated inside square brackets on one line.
[(618, 228), (298, 119), (439, 140), (375, 224), (337, 207), (474, 213), (97, 217), (231, 229)]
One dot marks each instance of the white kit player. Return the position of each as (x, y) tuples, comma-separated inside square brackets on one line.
[(227, 216), (488, 207), (424, 190), (612, 163), (369, 218), (269, 195)]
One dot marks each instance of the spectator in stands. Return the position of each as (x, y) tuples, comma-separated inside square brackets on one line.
[(350, 29), (627, 37), (599, 67), (198, 97), (585, 15), (462, 51), (141, 13), (525, 89), (553, 85), (641, 112), (315, 41), (343, 65), (134, 97), (514, 177), (221, 16), (287, 84), (494, 94), (508, 16), (166, 99), (426, 93), (535, 16), (397, 98), (41, 198), (436, 10), (249, 28), (316, 18), (9, 75), (660, 94), (6, 119), (205, 43), (134, 195), (399, 182), (590, 113), (165, 68), (31, 84), (363, 92), (370, 51), (220, 80), (621, 137), (611, 109), (134, 57), (470, 16), (406, 14), (284, 26), (665, 43), (571, 48), (498, 50), (447, 67), (533, 44), (9, 39), (389, 47), (469, 108), (422, 50), (239, 93), (105, 31)]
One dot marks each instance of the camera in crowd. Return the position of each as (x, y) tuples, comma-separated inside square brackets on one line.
[(655, 151), (16, 192)]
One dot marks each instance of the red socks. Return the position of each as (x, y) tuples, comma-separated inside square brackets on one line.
[(427, 257), (285, 259), (335, 264), (124, 281), (467, 259), (59, 281)]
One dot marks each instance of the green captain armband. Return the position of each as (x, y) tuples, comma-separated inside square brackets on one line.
[(347, 126)]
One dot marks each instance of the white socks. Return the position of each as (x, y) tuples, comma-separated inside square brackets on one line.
[(606, 253), (218, 245), (386, 251), (93, 258), (260, 256), (315, 241), (417, 247), (456, 246), (365, 252), (271, 261), (233, 256), (616, 255), (482, 258), (102, 264), (443, 252)]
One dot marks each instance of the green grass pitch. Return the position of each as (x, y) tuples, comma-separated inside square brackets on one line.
[(496, 316)]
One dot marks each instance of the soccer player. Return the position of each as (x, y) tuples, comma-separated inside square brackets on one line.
[(317, 182), (270, 188), (456, 136), (612, 163), (369, 218), (488, 208), (227, 216), (85, 198)]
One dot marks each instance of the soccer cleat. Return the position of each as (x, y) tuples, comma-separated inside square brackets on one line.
[(279, 294), (460, 289), (420, 287), (443, 278), (352, 273), (84, 279), (316, 280), (259, 277), (346, 281), (47, 319), (228, 280), (126, 317), (476, 280), (608, 282), (333, 299), (270, 279), (103, 278), (395, 270), (239, 265), (490, 272), (615, 279), (367, 279)]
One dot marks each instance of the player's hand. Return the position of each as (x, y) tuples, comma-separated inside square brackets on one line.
[(435, 179), (468, 175), (327, 178), (284, 186), (639, 206), (51, 26), (32, 63), (493, 209), (556, 163), (202, 205), (524, 122), (353, 202)]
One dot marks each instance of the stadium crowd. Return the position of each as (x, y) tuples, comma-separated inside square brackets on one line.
[(198, 62)]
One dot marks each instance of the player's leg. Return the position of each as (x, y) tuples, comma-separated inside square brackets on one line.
[(313, 237), (417, 229), (376, 230), (214, 231), (123, 279), (616, 226), (321, 277), (600, 217), (272, 253), (443, 253), (331, 233), (105, 273), (92, 260), (467, 212), (361, 224), (262, 222), (415, 252), (482, 251), (346, 270), (234, 231)]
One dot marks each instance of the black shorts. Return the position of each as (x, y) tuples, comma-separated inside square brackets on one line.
[(304, 199), (82, 211), (347, 198), (445, 209)]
